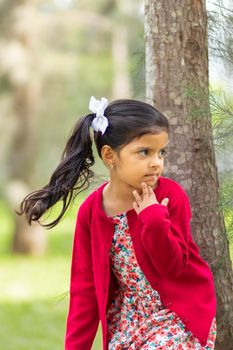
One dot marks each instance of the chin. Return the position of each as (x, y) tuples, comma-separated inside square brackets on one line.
[(151, 182)]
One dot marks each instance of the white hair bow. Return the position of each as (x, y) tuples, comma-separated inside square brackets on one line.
[(100, 122)]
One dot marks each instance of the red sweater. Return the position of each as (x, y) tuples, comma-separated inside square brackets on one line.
[(165, 252)]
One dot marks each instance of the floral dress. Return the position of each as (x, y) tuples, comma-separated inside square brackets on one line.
[(136, 317)]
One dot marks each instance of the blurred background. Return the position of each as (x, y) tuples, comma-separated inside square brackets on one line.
[(53, 56)]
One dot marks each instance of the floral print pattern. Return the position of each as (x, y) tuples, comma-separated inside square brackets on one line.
[(136, 317)]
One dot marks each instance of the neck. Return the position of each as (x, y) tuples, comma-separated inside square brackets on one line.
[(117, 198), (120, 191)]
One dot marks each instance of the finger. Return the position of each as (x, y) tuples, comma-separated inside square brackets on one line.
[(135, 206), (151, 193), (150, 190), (137, 196), (165, 201), (145, 190)]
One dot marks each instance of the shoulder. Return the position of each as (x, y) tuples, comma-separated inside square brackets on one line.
[(86, 207), (178, 197), (171, 187), (84, 213)]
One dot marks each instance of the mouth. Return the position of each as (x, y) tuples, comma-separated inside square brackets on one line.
[(153, 174)]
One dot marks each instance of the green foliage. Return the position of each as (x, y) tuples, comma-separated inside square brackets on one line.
[(220, 28), (222, 118), (198, 98), (226, 201), (222, 125)]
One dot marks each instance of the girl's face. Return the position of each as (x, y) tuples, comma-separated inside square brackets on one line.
[(142, 160)]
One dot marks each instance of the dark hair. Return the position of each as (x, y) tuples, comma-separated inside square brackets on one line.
[(128, 119)]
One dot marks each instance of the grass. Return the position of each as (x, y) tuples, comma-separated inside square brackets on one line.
[(33, 296), (34, 324)]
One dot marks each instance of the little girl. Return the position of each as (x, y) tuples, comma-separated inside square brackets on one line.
[(135, 266)]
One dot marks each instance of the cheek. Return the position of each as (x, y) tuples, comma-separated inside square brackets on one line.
[(129, 163)]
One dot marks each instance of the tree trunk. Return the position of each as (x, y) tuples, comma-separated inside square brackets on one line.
[(20, 70), (120, 52), (27, 239), (120, 56), (177, 84)]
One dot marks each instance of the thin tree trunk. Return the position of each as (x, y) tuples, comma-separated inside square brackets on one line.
[(120, 56), (20, 68), (177, 83), (120, 52)]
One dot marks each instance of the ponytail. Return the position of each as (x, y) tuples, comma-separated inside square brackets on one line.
[(73, 173)]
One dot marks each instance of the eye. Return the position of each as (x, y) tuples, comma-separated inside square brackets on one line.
[(163, 152), (144, 152)]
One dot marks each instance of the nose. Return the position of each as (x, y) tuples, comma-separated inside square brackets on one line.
[(156, 161)]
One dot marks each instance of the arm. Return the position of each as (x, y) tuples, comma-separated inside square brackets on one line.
[(166, 232), (83, 317)]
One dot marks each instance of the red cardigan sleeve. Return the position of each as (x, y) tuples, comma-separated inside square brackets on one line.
[(166, 233), (83, 317)]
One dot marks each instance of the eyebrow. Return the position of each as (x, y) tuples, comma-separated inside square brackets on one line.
[(140, 148)]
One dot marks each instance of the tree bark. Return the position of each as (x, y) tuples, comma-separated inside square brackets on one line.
[(177, 83)]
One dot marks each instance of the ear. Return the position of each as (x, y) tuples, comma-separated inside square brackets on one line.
[(108, 155)]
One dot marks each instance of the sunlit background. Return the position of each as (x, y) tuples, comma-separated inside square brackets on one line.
[(53, 56)]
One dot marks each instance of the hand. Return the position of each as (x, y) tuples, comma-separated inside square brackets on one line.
[(147, 198)]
